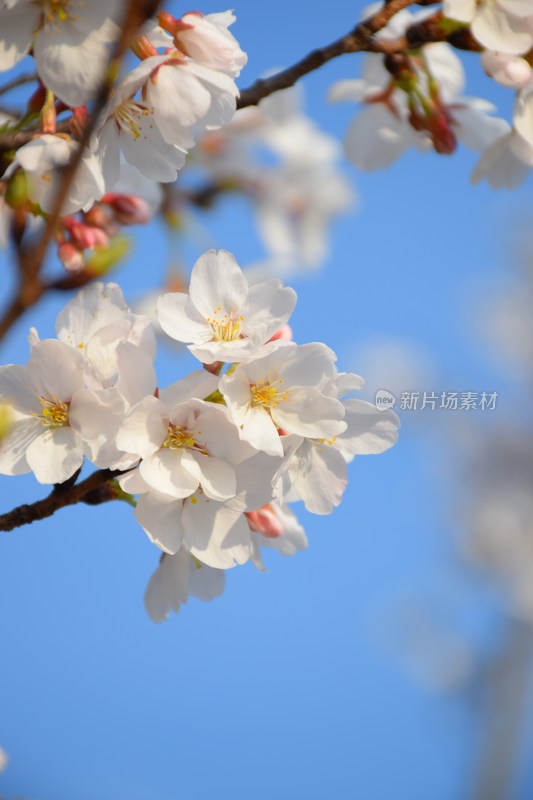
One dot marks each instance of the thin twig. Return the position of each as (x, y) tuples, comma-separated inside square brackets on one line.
[(30, 260), (361, 38), (62, 496)]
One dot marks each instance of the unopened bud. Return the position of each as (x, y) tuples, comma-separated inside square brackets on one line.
[(265, 521), (128, 208), (442, 134), (70, 257)]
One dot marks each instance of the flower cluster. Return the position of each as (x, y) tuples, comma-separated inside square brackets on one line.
[(505, 29), (154, 115), (214, 457), (413, 101)]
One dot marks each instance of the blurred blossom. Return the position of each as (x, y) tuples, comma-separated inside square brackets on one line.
[(435, 655), (290, 170), (499, 516)]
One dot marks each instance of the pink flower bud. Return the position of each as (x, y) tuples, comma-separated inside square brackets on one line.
[(265, 521), (99, 217), (86, 237), (70, 257), (442, 134), (128, 209)]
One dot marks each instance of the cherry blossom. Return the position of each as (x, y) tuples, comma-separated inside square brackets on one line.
[(423, 109), (223, 317), (316, 471), (184, 446), (70, 41), (42, 438), (504, 25), (282, 390), (41, 159)]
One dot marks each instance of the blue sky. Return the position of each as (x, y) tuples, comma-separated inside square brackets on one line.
[(294, 683)]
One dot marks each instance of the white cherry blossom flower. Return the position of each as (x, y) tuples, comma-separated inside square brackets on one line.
[(504, 25), (41, 159), (184, 445), (283, 390), (316, 471), (42, 437), (95, 322), (129, 126), (70, 41), (223, 317), (506, 163), (118, 350), (182, 97), (177, 578)]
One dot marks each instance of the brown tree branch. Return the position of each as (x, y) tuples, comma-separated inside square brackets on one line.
[(94, 490), (361, 38), (30, 259)]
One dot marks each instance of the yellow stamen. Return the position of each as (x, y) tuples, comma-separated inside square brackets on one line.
[(54, 413), (179, 438), (225, 328), (268, 395)]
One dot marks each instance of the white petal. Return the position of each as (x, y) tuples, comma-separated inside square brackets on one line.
[(307, 412), (217, 478), (375, 139), (18, 26), (56, 370), (180, 319), (369, 430), (160, 516), (493, 28), (217, 281), (319, 476), (168, 587), (216, 533), (55, 455), (144, 429), (173, 472), (14, 445)]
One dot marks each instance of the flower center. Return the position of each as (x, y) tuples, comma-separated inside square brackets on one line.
[(54, 413), (227, 327), (55, 10), (128, 118), (180, 438), (268, 395)]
